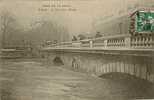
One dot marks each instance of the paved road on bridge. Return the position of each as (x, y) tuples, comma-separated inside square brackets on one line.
[(32, 80)]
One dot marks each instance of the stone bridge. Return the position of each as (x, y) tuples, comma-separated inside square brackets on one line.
[(132, 55)]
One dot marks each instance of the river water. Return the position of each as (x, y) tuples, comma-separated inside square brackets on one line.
[(33, 80)]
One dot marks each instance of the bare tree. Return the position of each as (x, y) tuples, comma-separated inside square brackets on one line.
[(7, 22)]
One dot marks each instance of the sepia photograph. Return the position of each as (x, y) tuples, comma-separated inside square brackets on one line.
[(76, 49)]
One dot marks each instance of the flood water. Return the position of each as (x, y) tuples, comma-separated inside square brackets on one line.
[(33, 80)]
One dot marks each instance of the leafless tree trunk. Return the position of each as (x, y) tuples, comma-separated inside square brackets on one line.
[(6, 22)]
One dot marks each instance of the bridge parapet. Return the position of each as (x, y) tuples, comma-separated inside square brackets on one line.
[(142, 42), (111, 42)]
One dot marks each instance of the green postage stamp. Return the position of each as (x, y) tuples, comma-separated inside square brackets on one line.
[(145, 21)]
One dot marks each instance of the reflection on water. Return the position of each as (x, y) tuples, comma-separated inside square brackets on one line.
[(6, 91)]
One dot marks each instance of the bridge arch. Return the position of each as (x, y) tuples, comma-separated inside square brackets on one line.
[(58, 61), (100, 64)]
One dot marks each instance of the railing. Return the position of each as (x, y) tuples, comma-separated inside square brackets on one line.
[(117, 42), (112, 42), (64, 44), (142, 42)]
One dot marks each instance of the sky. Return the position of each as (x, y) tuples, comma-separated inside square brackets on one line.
[(87, 12)]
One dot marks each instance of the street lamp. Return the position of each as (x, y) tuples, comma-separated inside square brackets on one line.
[(120, 27)]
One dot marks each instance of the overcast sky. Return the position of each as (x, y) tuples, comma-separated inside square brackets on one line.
[(88, 12)]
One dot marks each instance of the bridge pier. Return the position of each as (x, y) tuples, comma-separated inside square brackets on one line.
[(100, 64)]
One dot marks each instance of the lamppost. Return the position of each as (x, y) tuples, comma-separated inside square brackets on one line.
[(120, 27)]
